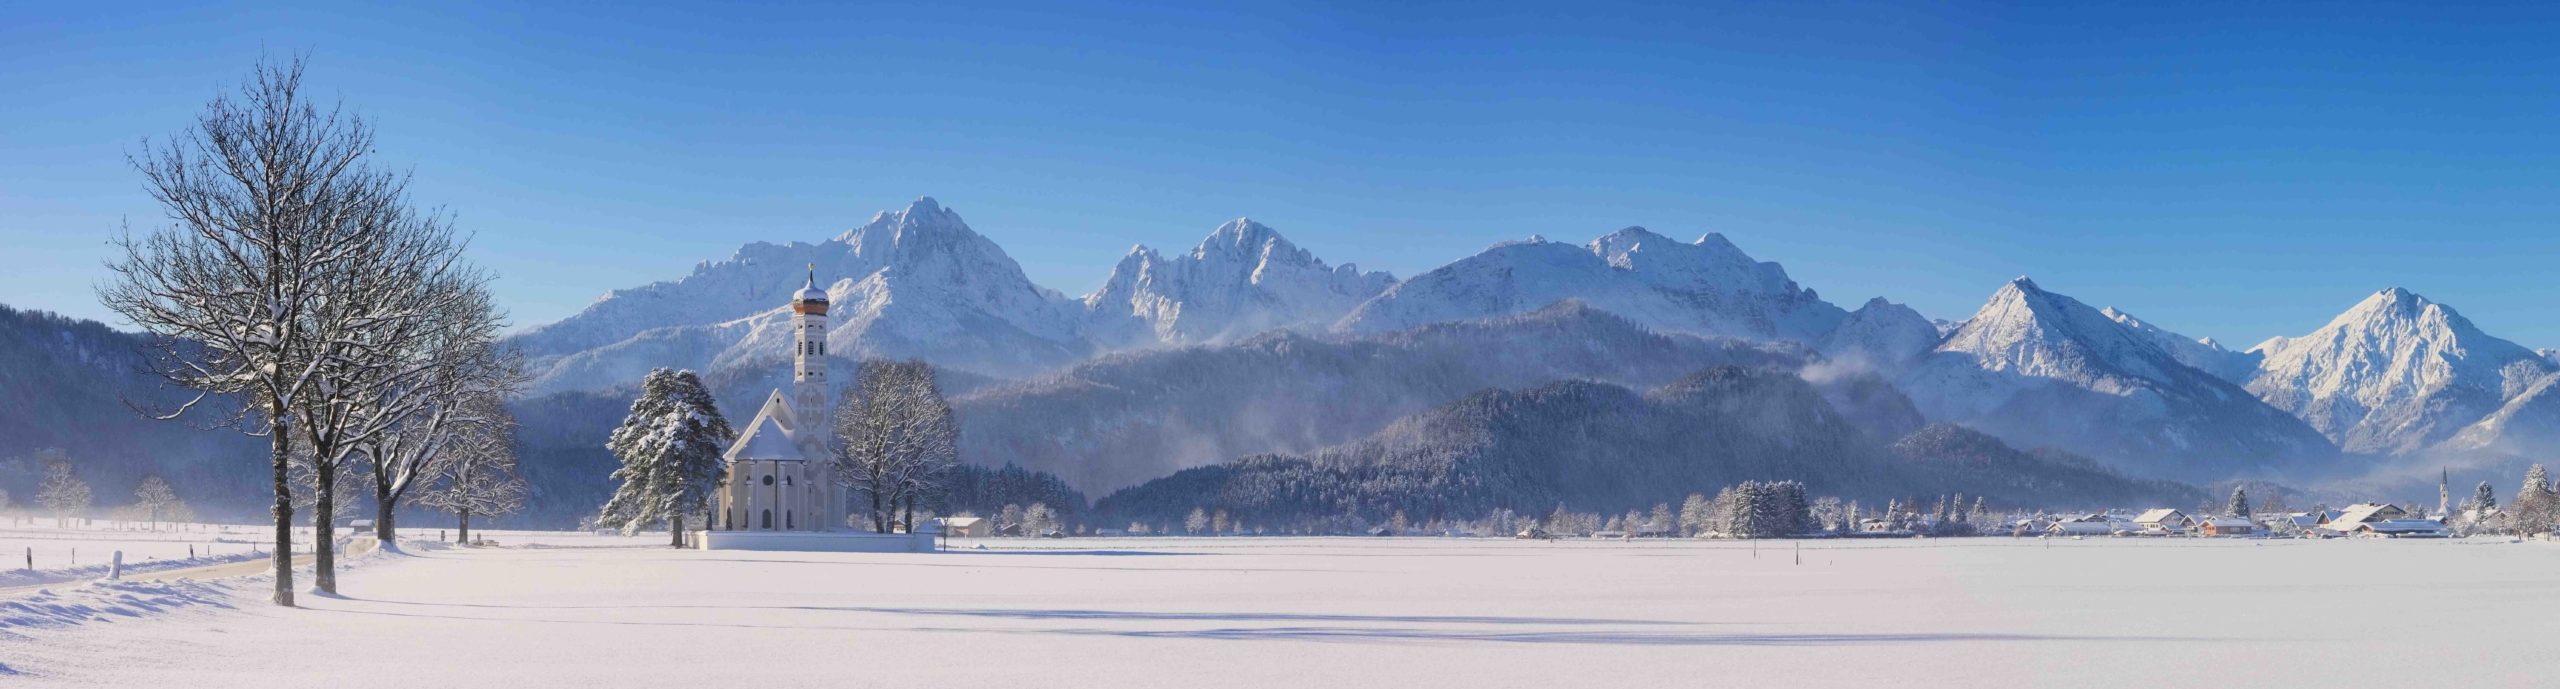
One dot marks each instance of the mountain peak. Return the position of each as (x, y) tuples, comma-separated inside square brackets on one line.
[(1716, 241), (1244, 237), (1616, 245), (924, 215), (1242, 279), (2394, 373)]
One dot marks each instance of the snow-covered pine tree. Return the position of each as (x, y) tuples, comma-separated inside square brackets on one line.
[(1195, 522), (1790, 508), (2484, 497), (2535, 508), (670, 450), (2239, 503)]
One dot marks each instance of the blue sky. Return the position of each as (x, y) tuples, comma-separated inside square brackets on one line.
[(2235, 173)]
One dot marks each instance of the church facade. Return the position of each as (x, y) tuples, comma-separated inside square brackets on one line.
[(779, 476)]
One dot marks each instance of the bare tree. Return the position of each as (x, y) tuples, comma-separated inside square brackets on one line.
[(463, 396), (479, 475), (285, 281), (343, 498), (155, 498), (62, 492), (1038, 520), (899, 441)]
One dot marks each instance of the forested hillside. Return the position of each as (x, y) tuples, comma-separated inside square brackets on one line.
[(75, 385), (1603, 448)]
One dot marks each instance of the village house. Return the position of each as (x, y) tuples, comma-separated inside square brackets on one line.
[(969, 527), (2088, 525), (2351, 519), (2163, 522), (2225, 526)]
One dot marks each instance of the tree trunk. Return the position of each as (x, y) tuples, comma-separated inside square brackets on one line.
[(676, 529), (382, 519), (324, 530), (280, 442), (879, 521), (910, 520), (465, 527)]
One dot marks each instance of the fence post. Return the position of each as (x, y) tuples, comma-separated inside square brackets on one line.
[(115, 567)]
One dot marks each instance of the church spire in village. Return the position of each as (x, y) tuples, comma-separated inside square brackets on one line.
[(2444, 492)]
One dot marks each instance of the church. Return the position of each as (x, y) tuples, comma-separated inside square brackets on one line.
[(779, 476)]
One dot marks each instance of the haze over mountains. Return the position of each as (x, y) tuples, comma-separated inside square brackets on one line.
[(1250, 345)]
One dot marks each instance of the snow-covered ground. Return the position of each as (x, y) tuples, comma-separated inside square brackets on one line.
[(1355, 612)]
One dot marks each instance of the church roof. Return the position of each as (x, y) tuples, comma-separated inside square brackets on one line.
[(770, 436), (767, 440)]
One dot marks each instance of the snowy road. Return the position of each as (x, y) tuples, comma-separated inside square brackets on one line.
[(1345, 612)]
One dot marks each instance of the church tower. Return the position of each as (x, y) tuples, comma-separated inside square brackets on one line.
[(809, 353)]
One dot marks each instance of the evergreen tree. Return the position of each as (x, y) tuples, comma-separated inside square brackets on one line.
[(2484, 498), (2239, 503), (2535, 508), (670, 448)]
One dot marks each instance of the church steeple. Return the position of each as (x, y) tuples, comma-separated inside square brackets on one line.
[(809, 350)]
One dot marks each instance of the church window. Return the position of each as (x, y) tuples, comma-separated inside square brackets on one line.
[(786, 480), (768, 519), (768, 479), (786, 520)]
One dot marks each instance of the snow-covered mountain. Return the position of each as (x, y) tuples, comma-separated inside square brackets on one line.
[(2528, 424), (2202, 353), (2040, 368), (2395, 374), (916, 282), (1241, 280), (1708, 287), (1882, 335)]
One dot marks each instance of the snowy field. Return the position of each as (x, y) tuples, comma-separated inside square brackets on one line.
[(547, 611)]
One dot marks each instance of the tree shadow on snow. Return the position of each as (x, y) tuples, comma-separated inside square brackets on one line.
[(1381, 635), (1361, 634), (1038, 614)]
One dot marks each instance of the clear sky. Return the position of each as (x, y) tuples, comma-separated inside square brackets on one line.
[(2227, 172)]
